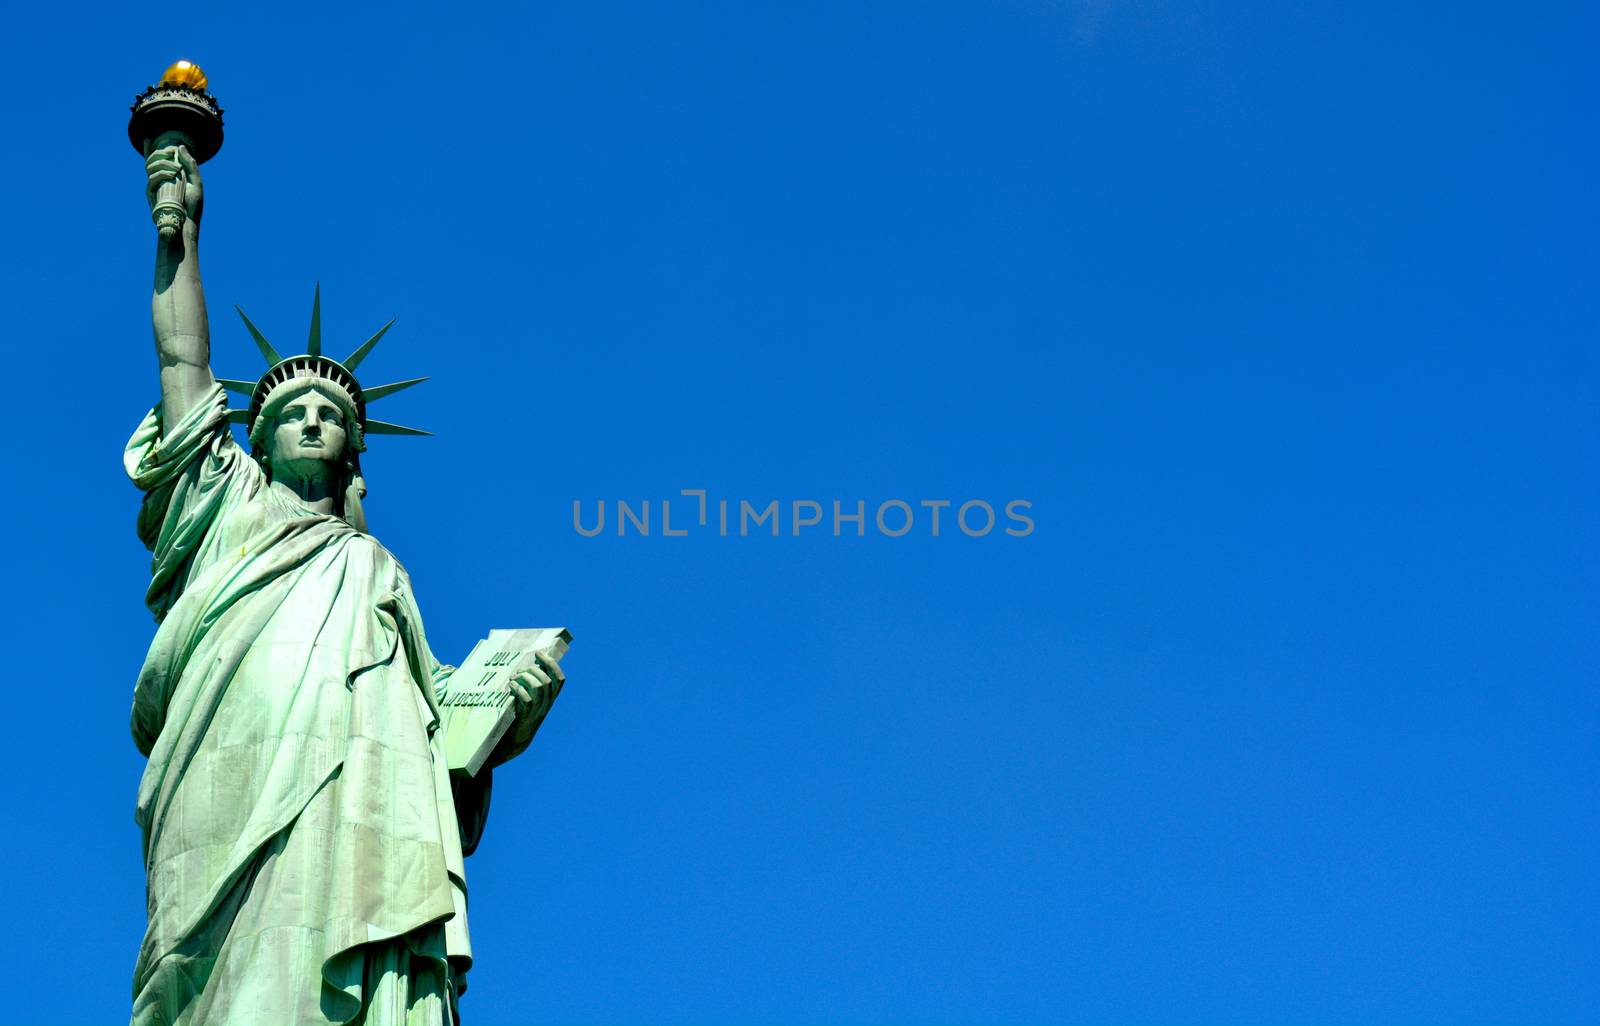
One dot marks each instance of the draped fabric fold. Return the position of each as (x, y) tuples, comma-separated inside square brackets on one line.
[(302, 843)]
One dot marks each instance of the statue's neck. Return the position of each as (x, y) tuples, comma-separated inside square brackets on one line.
[(314, 495)]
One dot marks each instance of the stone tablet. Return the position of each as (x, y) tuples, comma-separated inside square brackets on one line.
[(477, 704)]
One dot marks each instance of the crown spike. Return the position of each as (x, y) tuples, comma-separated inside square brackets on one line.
[(239, 416), (261, 341), (314, 342), (379, 391), (360, 354), (383, 427), (234, 385)]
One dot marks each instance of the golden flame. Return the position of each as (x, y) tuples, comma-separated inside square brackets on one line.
[(185, 74)]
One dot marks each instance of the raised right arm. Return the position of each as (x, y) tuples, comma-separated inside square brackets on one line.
[(178, 308)]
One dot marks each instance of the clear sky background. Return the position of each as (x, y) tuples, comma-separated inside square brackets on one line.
[(1282, 316)]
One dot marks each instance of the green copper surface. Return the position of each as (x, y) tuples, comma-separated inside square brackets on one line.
[(304, 835)]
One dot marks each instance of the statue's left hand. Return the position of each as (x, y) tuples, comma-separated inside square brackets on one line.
[(535, 689)]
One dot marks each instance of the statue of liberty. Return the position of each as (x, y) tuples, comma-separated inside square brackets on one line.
[(303, 835)]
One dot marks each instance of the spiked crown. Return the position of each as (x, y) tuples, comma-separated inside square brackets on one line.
[(313, 365)]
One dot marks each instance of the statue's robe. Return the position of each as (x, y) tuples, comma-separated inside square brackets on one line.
[(302, 845)]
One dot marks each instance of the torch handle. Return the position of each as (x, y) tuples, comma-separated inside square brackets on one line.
[(168, 212)]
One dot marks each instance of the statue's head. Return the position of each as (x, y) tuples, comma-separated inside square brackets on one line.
[(308, 421), (307, 429), (307, 416)]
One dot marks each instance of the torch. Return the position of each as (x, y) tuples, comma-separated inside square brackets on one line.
[(177, 111)]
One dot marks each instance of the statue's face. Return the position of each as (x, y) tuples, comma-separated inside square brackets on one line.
[(308, 435)]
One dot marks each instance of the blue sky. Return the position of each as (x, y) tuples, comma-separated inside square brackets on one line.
[(1281, 316)]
